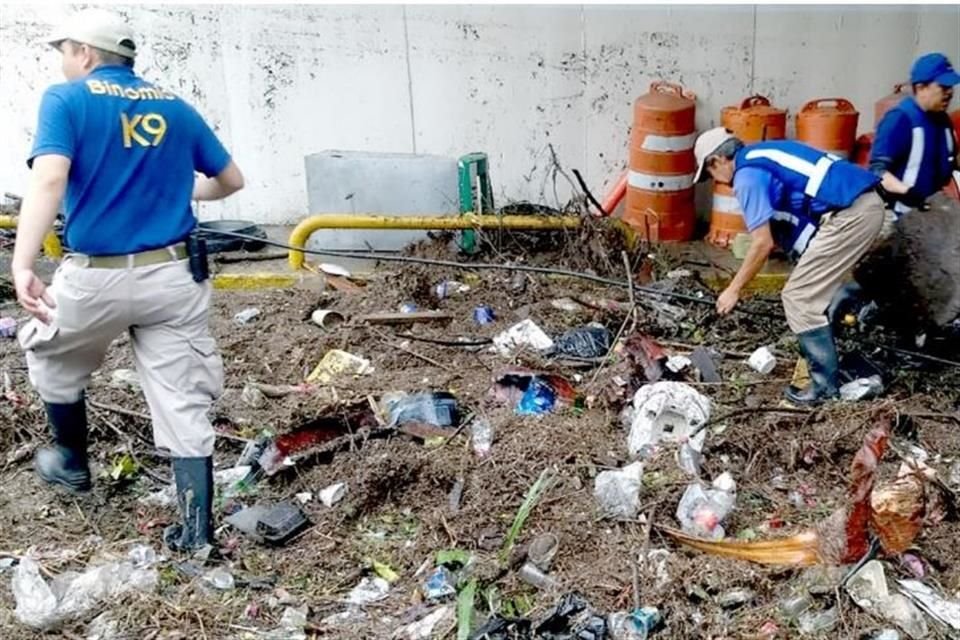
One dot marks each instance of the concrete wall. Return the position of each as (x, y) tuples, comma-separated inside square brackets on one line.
[(520, 82)]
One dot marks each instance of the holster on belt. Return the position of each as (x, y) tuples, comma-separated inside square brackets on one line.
[(197, 256)]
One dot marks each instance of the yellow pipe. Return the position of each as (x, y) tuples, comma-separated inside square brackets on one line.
[(301, 233), (51, 243)]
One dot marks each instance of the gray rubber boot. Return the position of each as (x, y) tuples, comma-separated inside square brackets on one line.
[(820, 352), (65, 463), (194, 480)]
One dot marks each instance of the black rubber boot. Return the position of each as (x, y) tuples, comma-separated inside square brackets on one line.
[(194, 479), (65, 463), (821, 355)]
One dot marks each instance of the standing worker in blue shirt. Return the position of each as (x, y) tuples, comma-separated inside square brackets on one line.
[(818, 208), (914, 151), (124, 154)]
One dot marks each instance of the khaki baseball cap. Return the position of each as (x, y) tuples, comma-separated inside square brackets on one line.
[(708, 142), (97, 28)]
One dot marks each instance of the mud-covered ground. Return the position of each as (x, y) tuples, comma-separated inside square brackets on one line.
[(791, 469)]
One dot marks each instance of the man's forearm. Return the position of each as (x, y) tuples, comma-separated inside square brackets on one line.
[(205, 188), (37, 214)]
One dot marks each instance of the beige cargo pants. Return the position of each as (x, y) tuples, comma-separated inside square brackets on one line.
[(165, 313), (842, 239)]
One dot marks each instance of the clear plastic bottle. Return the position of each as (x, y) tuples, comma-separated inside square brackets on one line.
[(701, 511), (481, 437)]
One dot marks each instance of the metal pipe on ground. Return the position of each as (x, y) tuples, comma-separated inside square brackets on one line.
[(301, 233)]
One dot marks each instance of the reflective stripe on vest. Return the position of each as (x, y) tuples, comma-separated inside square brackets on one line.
[(815, 172), (801, 235)]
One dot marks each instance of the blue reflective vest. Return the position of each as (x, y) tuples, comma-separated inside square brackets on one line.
[(932, 151), (809, 183)]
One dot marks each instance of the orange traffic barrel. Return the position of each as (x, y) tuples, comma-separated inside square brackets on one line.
[(861, 150), (900, 91), (659, 202), (726, 217), (829, 124), (755, 120)]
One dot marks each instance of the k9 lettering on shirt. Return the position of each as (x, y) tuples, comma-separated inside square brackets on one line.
[(146, 130)]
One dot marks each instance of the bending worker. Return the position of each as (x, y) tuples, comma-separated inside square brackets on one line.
[(915, 151), (124, 152), (822, 210)]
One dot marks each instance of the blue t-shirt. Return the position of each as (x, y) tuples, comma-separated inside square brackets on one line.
[(134, 150)]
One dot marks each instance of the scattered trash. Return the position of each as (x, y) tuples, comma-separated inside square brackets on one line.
[(897, 510), (331, 495), (449, 288), (677, 274), (71, 594), (281, 522), (483, 315), (219, 578), (126, 379), (518, 282), (522, 335), (573, 617), (703, 361), (334, 270), (327, 319), (246, 316), (618, 492), (408, 307), (481, 436), (292, 625), (886, 634), (676, 364), (304, 497), (104, 627), (385, 572), (862, 389), (252, 396), (533, 393), (337, 363), (440, 584), (868, 589), (534, 576), (735, 598), (914, 564), (8, 327), (814, 622), (669, 412), (591, 341), (123, 468), (438, 409), (762, 361), (566, 304), (701, 511), (636, 625), (369, 590), (645, 357), (796, 605), (423, 629), (542, 550), (936, 606)]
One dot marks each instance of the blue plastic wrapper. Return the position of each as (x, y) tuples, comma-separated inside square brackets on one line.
[(539, 398), (483, 315)]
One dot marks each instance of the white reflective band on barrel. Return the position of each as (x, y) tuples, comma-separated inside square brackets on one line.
[(668, 143), (652, 182), (726, 204)]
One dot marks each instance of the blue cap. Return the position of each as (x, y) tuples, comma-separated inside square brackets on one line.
[(934, 67)]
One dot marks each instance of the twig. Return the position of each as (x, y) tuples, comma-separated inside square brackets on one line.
[(447, 343), (734, 412), (120, 410), (586, 192), (933, 416), (386, 340)]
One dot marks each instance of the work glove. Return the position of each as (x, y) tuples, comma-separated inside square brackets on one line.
[(913, 200)]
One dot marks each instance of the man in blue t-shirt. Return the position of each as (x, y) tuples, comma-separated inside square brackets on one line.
[(122, 154), (821, 210), (914, 151)]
